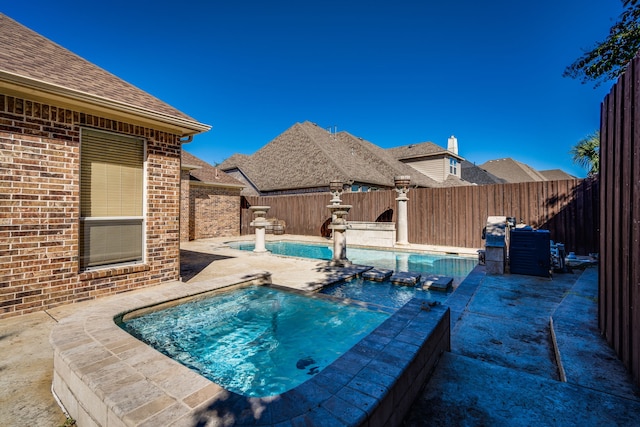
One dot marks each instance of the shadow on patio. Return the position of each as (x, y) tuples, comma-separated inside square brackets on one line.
[(192, 263)]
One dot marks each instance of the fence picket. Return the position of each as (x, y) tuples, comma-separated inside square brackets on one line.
[(619, 218), (452, 216)]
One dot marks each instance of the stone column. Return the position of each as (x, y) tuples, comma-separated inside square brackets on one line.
[(336, 189), (260, 222), (402, 187), (338, 224), (339, 227)]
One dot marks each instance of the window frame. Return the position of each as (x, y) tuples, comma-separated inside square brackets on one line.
[(453, 166), (132, 219)]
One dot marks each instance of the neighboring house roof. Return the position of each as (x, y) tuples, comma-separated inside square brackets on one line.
[(46, 71), (374, 164), (454, 181), (512, 171), (476, 175), (420, 150), (306, 156), (203, 172), (556, 175), (416, 154)]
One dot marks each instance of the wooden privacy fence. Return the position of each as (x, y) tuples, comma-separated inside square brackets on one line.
[(619, 278), (453, 216)]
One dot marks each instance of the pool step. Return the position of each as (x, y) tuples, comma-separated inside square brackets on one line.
[(377, 274), (436, 283), (405, 278)]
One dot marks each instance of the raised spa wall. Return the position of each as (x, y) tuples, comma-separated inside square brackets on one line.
[(105, 377), (379, 234)]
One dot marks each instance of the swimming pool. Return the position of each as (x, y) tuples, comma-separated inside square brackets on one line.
[(382, 293), (106, 376), (424, 263), (256, 341)]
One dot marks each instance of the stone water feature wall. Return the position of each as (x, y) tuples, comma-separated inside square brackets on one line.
[(381, 234)]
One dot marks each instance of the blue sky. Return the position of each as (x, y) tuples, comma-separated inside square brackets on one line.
[(393, 73)]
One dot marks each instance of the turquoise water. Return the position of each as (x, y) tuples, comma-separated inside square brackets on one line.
[(423, 263), (256, 341), (384, 293)]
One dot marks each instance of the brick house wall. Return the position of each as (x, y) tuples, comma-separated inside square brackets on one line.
[(185, 217), (216, 211), (39, 209), (210, 211)]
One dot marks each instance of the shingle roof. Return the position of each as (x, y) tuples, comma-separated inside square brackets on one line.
[(556, 175), (454, 181), (367, 162), (419, 150), (512, 171), (27, 56), (307, 156), (472, 173), (206, 173)]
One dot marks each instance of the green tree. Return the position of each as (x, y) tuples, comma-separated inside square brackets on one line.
[(586, 153), (607, 60)]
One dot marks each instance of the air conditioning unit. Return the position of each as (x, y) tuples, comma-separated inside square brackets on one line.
[(529, 252)]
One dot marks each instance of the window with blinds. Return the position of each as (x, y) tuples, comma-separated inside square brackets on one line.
[(111, 199)]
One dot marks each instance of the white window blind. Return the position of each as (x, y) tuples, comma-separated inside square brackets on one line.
[(111, 198)]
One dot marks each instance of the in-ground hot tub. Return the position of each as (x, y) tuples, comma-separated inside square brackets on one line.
[(257, 341), (104, 376)]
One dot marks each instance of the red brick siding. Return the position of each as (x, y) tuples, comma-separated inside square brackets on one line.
[(213, 211), (39, 209), (185, 217)]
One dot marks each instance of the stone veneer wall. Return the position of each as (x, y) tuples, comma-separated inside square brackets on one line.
[(213, 211), (39, 209)]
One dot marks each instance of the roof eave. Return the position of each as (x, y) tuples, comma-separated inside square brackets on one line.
[(427, 155), (48, 92), (185, 166), (217, 184), (245, 176)]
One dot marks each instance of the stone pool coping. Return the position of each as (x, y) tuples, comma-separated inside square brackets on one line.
[(105, 377), (322, 241)]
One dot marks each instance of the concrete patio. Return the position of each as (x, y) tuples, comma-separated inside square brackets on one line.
[(502, 368)]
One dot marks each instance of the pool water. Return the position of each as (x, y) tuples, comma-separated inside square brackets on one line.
[(256, 341), (384, 293), (296, 249), (423, 263)]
